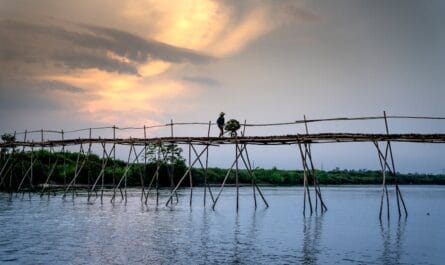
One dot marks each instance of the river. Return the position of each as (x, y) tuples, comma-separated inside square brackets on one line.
[(52, 231)]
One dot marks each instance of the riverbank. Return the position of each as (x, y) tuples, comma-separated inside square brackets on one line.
[(62, 168)]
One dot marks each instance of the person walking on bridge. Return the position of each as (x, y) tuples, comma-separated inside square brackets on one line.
[(220, 122)]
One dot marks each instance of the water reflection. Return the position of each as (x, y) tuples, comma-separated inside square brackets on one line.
[(312, 230), (75, 232), (392, 243)]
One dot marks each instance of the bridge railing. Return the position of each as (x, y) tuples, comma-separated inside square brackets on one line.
[(145, 130)]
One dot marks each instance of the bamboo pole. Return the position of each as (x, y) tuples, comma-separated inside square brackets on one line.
[(125, 176), (307, 148), (308, 155), (5, 165), (172, 162), (183, 177), (64, 159), (105, 157), (252, 176), (203, 168), (317, 189), (76, 172), (384, 166), (30, 170), (22, 162), (102, 183), (145, 163), (114, 155), (150, 185), (225, 179), (398, 192), (248, 166), (127, 169), (157, 175), (50, 173), (305, 185), (390, 152), (88, 163), (236, 176), (207, 167), (140, 171), (190, 174)]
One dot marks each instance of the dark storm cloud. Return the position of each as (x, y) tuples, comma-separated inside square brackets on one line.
[(141, 49), (84, 47)]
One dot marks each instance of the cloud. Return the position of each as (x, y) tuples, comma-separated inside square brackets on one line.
[(202, 81), (85, 47), (16, 95), (51, 85), (219, 28), (138, 67)]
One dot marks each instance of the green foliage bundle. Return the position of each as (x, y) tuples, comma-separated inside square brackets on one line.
[(232, 125)]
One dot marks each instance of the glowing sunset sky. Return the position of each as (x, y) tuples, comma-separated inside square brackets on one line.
[(72, 64)]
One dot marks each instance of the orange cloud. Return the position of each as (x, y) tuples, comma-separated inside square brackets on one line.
[(120, 99), (204, 25)]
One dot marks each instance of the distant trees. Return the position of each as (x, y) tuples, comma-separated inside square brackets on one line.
[(164, 153), (7, 138)]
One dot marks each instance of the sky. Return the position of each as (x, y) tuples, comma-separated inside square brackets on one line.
[(79, 64)]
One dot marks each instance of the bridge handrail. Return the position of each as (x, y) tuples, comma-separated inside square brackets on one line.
[(247, 124)]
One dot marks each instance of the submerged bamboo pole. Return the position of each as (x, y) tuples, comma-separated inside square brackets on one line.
[(128, 169), (106, 156), (203, 168), (248, 166), (206, 185), (22, 162), (124, 176), (50, 173), (155, 177), (306, 195), (183, 177), (384, 166), (172, 162), (145, 164), (317, 189), (398, 192), (77, 170), (236, 176), (190, 174), (226, 176)]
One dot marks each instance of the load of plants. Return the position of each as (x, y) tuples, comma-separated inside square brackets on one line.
[(232, 125)]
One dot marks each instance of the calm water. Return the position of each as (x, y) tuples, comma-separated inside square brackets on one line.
[(38, 231)]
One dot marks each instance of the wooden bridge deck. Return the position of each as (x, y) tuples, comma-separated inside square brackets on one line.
[(255, 140)]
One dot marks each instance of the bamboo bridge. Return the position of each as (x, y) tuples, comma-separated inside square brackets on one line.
[(198, 155)]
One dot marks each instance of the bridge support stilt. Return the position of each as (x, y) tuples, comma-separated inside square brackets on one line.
[(190, 174), (124, 177), (387, 164), (51, 168), (173, 192), (155, 177), (106, 156), (206, 185), (205, 168), (248, 166), (78, 168)]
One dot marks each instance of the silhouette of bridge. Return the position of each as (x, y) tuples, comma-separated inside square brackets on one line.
[(22, 142)]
